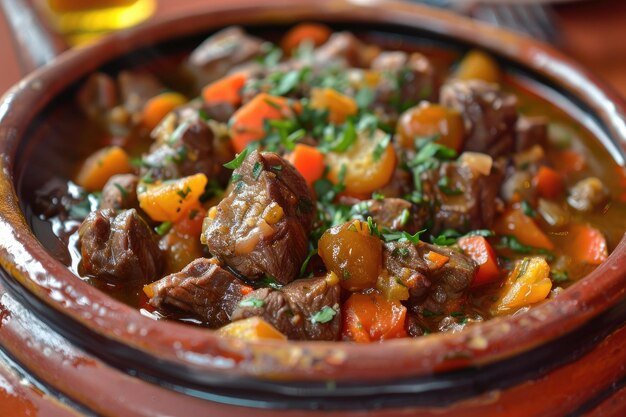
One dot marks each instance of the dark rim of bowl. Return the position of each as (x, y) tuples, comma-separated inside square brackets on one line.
[(176, 344)]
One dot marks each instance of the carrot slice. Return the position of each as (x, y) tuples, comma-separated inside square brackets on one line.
[(102, 165), (437, 259), (371, 317), (225, 90), (190, 223), (569, 161), (308, 161), (246, 125), (315, 33), (587, 244), (338, 105), (515, 222), (477, 248), (549, 183), (159, 106)]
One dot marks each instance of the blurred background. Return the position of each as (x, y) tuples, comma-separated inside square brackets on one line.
[(593, 31)]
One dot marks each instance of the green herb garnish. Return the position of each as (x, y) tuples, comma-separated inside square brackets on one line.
[(252, 302), (325, 315), (236, 163), (163, 228)]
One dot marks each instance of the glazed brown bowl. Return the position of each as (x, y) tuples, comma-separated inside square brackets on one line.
[(178, 369)]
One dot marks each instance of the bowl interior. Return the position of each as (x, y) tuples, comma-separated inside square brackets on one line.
[(58, 138)]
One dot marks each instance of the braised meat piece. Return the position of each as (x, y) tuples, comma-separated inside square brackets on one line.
[(98, 95), (186, 145), (342, 49), (490, 115), (118, 103), (223, 50), (262, 225), (460, 198), (432, 285), (136, 88), (202, 288), (119, 246), (300, 310), (394, 214), (120, 192), (530, 131), (400, 184), (406, 79)]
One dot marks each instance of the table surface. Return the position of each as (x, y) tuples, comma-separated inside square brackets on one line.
[(592, 31)]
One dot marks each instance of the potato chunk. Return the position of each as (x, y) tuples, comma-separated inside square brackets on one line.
[(528, 283)]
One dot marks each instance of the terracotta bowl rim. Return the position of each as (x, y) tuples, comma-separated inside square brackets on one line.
[(52, 283)]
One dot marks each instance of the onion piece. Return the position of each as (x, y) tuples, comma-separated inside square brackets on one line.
[(477, 162)]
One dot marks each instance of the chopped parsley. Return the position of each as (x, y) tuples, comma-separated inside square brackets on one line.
[(236, 163), (446, 238), (305, 264), (184, 193), (559, 276), (163, 228), (252, 302), (528, 209), (444, 186), (391, 236), (256, 170), (269, 281), (511, 242), (121, 189), (325, 315), (381, 147)]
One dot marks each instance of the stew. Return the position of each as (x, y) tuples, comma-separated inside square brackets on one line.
[(325, 188)]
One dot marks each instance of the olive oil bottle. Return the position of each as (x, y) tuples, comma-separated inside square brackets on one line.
[(81, 21)]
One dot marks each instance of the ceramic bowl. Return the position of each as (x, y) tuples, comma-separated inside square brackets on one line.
[(92, 354)]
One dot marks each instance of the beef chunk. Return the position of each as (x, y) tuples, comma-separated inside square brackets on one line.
[(221, 51), (342, 49), (292, 308), (120, 192), (136, 88), (460, 198), (530, 131), (400, 184), (186, 145), (261, 226), (394, 214), (489, 114), (118, 103), (202, 288), (433, 286), (119, 246), (98, 95), (407, 79)]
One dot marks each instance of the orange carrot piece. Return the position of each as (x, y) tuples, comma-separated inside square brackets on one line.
[(587, 244), (515, 222), (308, 161), (225, 90), (159, 106), (314, 33), (549, 183), (247, 122), (339, 106), (371, 317), (437, 259), (477, 248), (190, 223), (102, 165), (569, 161)]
